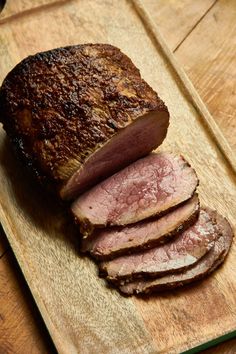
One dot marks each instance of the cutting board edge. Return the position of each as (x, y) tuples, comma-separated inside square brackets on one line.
[(211, 343)]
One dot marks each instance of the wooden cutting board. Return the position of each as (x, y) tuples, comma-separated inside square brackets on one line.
[(81, 313)]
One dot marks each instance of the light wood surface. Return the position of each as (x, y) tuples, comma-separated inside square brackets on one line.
[(177, 19), (208, 57), (215, 77), (15, 8), (15, 53)]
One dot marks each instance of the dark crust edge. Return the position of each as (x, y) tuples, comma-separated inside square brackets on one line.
[(152, 275), (151, 243), (174, 285), (218, 261), (102, 268)]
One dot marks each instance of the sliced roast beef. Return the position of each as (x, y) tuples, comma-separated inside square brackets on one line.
[(78, 114), (107, 243), (149, 187), (180, 253), (205, 266)]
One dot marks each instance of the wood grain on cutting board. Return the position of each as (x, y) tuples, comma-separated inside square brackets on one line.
[(184, 116), (208, 57), (176, 19), (16, 8)]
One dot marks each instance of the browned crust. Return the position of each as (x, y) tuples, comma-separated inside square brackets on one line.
[(224, 230), (151, 243), (103, 272), (175, 285), (61, 105)]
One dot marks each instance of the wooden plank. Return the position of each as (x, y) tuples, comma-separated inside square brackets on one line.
[(17, 7), (176, 19), (209, 60), (188, 87), (19, 320), (79, 310)]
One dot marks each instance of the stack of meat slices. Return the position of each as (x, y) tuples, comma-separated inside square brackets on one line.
[(146, 228)]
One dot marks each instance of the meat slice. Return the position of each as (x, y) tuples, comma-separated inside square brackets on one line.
[(206, 265), (79, 114), (184, 251), (108, 243), (149, 187)]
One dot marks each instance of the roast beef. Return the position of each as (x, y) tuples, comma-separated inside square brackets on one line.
[(107, 243), (78, 114), (180, 253), (205, 265), (149, 187)]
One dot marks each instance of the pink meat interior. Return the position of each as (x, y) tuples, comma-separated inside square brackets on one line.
[(184, 251), (131, 143), (108, 240), (145, 188)]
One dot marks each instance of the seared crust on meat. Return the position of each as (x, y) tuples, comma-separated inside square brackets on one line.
[(173, 257), (61, 105), (202, 268), (100, 246)]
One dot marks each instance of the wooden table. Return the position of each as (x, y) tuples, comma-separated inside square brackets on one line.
[(202, 34)]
